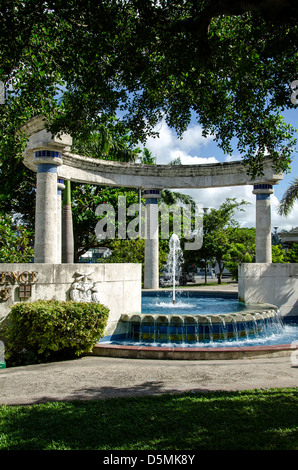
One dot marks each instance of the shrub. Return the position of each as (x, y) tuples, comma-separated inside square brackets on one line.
[(53, 330)]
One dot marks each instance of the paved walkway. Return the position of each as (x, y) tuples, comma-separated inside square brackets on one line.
[(107, 377)]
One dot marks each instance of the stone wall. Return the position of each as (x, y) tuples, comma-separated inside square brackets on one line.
[(272, 283), (118, 286)]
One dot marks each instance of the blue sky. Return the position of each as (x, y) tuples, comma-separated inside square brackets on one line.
[(195, 149)]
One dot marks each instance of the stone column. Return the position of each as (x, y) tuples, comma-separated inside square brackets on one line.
[(151, 272), (67, 226), (45, 247), (263, 223), (60, 187)]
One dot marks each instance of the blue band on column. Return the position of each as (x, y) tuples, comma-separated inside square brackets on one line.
[(151, 191), (47, 154), (152, 200), (46, 168), (262, 196), (262, 186)]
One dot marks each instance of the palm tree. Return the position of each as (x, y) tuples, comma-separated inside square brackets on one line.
[(174, 197), (99, 144), (147, 158), (102, 144), (290, 196), (167, 196)]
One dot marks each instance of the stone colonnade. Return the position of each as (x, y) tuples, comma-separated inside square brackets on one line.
[(48, 218)]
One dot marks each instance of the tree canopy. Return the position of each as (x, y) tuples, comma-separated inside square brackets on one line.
[(230, 64)]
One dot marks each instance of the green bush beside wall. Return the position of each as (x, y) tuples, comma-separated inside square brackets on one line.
[(53, 330)]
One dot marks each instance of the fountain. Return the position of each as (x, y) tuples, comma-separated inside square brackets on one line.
[(200, 320), (174, 263), (190, 319)]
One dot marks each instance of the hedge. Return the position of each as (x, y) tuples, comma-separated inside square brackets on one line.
[(53, 330)]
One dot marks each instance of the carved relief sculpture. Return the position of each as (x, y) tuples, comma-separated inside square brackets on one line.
[(83, 289)]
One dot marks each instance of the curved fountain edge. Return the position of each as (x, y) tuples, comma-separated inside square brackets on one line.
[(193, 353), (252, 309)]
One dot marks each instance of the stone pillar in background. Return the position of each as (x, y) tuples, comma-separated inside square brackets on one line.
[(60, 187), (67, 226), (45, 247), (151, 271), (263, 223)]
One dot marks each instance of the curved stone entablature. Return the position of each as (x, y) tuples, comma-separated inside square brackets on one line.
[(102, 172), (83, 169)]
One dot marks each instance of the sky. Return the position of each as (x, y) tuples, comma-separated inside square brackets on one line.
[(195, 149)]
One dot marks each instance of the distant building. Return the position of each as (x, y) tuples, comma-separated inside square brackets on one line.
[(289, 238), (95, 254)]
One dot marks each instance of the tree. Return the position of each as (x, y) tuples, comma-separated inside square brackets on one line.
[(238, 253), (85, 199), (278, 254), (291, 255), (15, 242), (218, 225), (147, 157), (230, 63), (241, 248), (109, 141), (288, 200)]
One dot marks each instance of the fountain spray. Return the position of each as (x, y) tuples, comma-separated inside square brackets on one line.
[(174, 261)]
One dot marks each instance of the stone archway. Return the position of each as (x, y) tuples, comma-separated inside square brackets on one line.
[(50, 157)]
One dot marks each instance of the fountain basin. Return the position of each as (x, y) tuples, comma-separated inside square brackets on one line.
[(201, 328), (225, 306)]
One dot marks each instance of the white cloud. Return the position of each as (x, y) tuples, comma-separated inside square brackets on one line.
[(193, 139), (232, 158), (187, 159), (283, 223), (168, 147), (214, 197)]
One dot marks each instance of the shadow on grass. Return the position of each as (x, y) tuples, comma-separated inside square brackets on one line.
[(194, 421)]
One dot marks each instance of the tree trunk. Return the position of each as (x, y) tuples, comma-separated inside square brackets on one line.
[(67, 226), (221, 268)]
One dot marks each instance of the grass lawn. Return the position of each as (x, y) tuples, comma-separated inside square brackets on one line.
[(249, 420)]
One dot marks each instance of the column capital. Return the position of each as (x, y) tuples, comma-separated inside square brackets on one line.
[(47, 157), (263, 188), (151, 195)]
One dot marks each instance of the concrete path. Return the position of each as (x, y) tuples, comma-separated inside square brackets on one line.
[(105, 377)]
